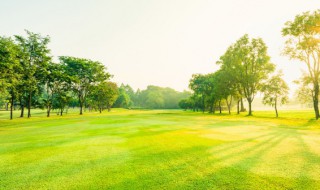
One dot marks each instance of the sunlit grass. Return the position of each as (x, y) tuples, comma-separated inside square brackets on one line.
[(160, 149)]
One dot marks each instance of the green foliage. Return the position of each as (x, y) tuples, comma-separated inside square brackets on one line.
[(303, 43), (248, 64), (11, 70), (186, 104), (275, 92), (305, 91), (103, 95), (83, 73), (123, 100), (34, 59), (155, 97)]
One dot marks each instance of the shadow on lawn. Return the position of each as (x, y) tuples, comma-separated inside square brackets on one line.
[(311, 161), (203, 168), (224, 165)]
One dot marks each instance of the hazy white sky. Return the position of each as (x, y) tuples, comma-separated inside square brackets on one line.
[(159, 42)]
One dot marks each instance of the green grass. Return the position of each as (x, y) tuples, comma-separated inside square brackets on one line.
[(161, 149)]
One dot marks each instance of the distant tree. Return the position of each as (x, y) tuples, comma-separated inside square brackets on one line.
[(303, 43), (186, 104), (211, 91), (112, 94), (104, 95), (34, 59), (275, 92), (83, 73), (199, 85), (130, 92), (154, 100), (123, 100), (155, 97)]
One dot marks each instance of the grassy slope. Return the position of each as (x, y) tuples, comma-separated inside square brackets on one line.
[(160, 150)]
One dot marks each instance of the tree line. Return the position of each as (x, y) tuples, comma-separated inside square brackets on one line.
[(29, 78), (153, 97), (245, 69)]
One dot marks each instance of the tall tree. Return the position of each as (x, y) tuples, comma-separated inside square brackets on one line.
[(10, 75), (275, 92), (57, 85), (199, 85), (34, 59), (249, 61), (303, 43), (84, 73)]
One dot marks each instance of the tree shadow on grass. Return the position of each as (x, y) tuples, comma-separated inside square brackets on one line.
[(199, 168), (311, 163)]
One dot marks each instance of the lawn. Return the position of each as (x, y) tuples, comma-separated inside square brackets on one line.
[(160, 149)]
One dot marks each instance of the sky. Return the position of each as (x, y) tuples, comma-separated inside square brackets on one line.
[(156, 42)]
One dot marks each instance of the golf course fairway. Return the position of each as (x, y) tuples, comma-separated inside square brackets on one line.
[(160, 149)]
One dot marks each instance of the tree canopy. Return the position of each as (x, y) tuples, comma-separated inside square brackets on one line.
[(303, 43)]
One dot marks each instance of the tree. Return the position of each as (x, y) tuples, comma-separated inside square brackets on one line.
[(230, 63), (123, 100), (83, 73), (275, 91), (57, 87), (10, 75), (303, 44), (305, 92), (34, 59), (225, 87), (130, 92), (199, 85), (249, 62), (104, 95), (185, 104)]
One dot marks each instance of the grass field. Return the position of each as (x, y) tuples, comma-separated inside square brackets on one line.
[(130, 149)]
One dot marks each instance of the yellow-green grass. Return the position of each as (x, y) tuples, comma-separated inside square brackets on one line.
[(160, 149)]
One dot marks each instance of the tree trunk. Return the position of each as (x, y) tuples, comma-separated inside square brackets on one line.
[(22, 110), (7, 106), (249, 102), (229, 104), (81, 105), (11, 106), (48, 110), (220, 110), (275, 107), (211, 109), (29, 105), (100, 109), (316, 99), (203, 108), (213, 104), (238, 107), (242, 106), (21, 107)]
